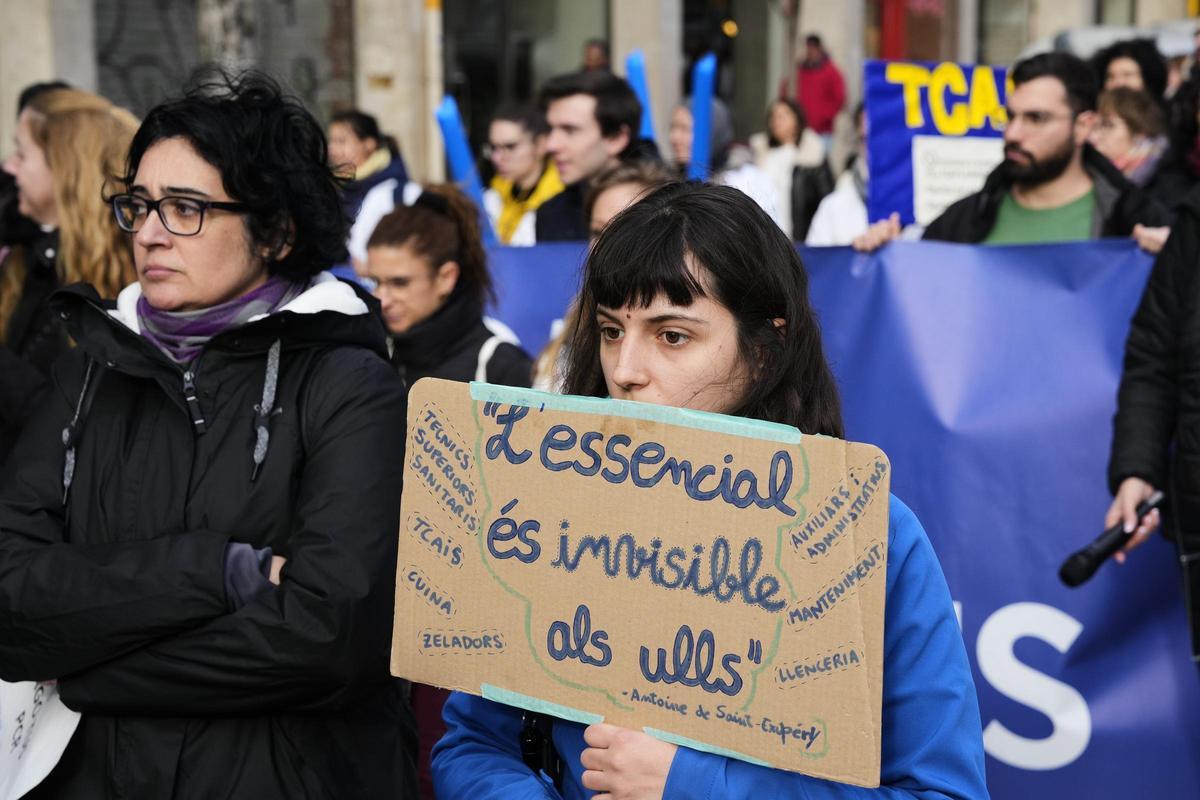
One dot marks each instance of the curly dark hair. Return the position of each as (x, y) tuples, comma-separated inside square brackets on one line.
[(271, 154), (751, 269), (1143, 52)]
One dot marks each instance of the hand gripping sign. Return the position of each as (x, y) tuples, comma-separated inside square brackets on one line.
[(715, 581)]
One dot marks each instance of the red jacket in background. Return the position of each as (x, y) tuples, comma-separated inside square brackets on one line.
[(821, 92)]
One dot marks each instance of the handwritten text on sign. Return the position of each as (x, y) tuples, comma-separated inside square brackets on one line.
[(715, 582)]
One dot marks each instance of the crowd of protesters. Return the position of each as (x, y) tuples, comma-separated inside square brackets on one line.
[(195, 257)]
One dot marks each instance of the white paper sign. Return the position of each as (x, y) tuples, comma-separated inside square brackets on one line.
[(948, 168), (35, 728)]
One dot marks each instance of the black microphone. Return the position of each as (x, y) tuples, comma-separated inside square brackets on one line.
[(1083, 564)]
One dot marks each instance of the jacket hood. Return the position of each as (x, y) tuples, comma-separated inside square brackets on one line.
[(324, 293), (328, 312)]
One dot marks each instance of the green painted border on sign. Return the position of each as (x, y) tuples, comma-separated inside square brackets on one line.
[(684, 417), (695, 744), (510, 698)]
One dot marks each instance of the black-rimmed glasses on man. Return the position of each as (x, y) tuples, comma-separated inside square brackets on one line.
[(182, 216)]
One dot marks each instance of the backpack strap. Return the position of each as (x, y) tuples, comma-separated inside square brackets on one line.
[(74, 429), (537, 747), (485, 355)]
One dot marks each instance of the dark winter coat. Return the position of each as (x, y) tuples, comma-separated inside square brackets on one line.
[(354, 192), (1119, 205), (1170, 184), (560, 219), (448, 344), (120, 593), (1159, 399), (33, 340), (821, 92), (810, 185)]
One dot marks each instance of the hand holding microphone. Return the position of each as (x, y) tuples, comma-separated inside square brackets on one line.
[(1130, 494), (1125, 530)]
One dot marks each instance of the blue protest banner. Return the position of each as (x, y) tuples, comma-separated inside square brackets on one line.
[(933, 134), (988, 375), (534, 287)]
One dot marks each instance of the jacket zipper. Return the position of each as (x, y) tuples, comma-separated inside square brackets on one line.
[(191, 399)]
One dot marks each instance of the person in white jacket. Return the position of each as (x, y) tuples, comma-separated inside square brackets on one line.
[(793, 156), (842, 215)]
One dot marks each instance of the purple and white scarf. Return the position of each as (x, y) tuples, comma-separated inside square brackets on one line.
[(182, 335)]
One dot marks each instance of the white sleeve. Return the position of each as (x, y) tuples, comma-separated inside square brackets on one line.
[(377, 204), (754, 183)]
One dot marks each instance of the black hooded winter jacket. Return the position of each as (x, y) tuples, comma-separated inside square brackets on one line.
[(119, 593), (1159, 401)]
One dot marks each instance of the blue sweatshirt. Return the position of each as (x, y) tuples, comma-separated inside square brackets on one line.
[(932, 736)]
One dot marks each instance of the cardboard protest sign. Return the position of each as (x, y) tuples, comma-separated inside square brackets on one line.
[(715, 581), (934, 132), (35, 728)]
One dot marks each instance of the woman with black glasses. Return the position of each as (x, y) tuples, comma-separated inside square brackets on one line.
[(198, 535)]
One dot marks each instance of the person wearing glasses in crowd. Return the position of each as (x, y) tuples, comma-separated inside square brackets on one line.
[(1131, 133), (431, 276), (1052, 186), (525, 177), (62, 232), (210, 577)]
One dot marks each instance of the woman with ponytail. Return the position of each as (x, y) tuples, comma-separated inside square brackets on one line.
[(67, 142), (431, 275)]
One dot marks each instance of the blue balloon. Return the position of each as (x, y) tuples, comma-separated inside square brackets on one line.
[(462, 162), (703, 77), (635, 73)]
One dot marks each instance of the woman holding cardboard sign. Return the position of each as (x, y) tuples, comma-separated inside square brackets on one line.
[(693, 298)]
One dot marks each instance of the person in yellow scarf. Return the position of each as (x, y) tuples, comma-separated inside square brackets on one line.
[(525, 178)]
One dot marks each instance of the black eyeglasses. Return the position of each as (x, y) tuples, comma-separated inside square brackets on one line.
[(182, 216), (493, 149)]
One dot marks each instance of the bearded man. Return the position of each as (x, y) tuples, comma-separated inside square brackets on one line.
[(1052, 185)]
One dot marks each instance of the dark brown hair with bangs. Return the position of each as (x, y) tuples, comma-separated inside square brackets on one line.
[(749, 267)]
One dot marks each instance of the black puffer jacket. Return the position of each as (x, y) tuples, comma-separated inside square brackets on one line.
[(120, 594), (34, 338), (448, 345), (1119, 206), (1159, 399)]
